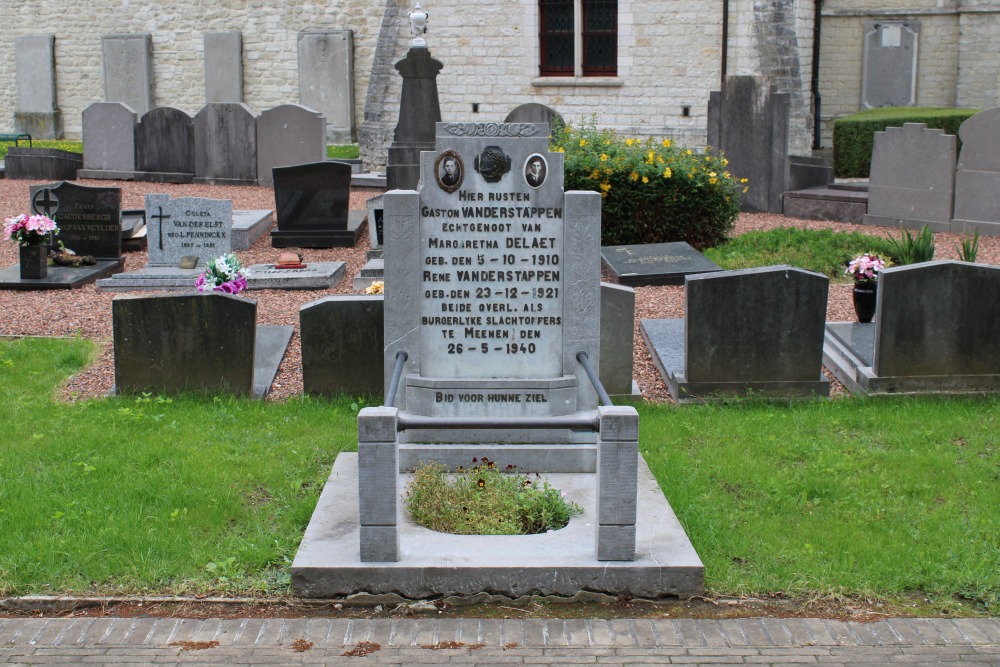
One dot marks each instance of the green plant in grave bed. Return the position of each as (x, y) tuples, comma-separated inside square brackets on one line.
[(821, 250), (485, 500), (968, 247), (652, 190), (910, 249)]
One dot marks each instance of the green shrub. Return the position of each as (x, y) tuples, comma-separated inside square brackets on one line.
[(652, 191), (968, 247), (909, 249), (342, 151), (485, 500), (854, 135)]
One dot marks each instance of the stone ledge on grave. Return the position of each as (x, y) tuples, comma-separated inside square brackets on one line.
[(325, 238), (59, 277), (498, 397), (248, 226), (315, 276), (432, 564), (151, 279)]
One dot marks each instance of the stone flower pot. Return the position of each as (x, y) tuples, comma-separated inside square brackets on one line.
[(34, 261)]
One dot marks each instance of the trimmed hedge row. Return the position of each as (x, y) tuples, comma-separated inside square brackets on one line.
[(854, 135)]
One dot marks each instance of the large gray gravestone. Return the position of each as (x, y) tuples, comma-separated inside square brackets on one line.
[(223, 67), (187, 226), (225, 145), (128, 70), (617, 338), (288, 135), (912, 178), (109, 141), (889, 70), (935, 331), (89, 218), (326, 80), (977, 182), (753, 330), (165, 146), (35, 66), (748, 122), (342, 345)]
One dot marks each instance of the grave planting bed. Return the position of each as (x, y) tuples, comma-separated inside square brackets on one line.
[(87, 312)]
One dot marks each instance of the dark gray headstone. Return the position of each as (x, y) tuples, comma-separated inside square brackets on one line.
[(89, 218), (223, 67), (655, 263), (165, 146), (42, 164), (312, 204), (342, 345), (174, 344), (326, 80), (286, 136), (977, 183), (187, 226), (617, 338), (755, 324), (748, 122), (889, 70), (912, 178), (37, 113), (128, 70), (108, 140), (225, 145), (938, 319), (532, 112)]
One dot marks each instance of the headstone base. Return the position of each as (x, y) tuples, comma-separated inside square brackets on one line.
[(152, 279), (248, 226), (207, 180), (105, 175), (316, 275), (299, 238), (374, 269), (665, 341), (59, 277), (835, 203), (163, 177), (39, 124), (434, 564), (849, 352), (970, 226), (896, 223)]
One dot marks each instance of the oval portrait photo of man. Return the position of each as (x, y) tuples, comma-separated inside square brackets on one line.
[(449, 170), (535, 169)]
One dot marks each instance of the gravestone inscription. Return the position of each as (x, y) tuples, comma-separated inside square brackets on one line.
[(187, 226), (89, 218)]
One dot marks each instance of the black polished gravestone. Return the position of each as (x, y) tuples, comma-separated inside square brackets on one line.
[(89, 220), (312, 203), (655, 263)]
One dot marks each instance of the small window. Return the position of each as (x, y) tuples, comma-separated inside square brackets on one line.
[(578, 37)]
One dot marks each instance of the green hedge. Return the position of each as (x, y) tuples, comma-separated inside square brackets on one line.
[(854, 135)]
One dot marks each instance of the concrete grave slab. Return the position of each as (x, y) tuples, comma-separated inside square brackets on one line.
[(935, 332), (753, 331), (655, 263), (224, 67), (316, 276), (59, 277), (42, 164), (433, 564), (342, 345), (248, 226), (128, 70), (37, 111), (165, 146), (326, 80), (109, 130)]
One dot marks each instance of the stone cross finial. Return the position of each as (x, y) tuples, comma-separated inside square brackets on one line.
[(418, 26)]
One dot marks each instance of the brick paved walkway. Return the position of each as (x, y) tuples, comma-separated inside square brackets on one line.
[(172, 641)]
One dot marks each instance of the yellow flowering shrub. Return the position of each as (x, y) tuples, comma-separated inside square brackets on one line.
[(652, 191)]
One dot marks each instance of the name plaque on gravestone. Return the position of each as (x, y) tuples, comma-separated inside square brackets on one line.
[(89, 218), (187, 226), (491, 252)]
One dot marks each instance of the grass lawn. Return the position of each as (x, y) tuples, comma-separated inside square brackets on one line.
[(878, 498)]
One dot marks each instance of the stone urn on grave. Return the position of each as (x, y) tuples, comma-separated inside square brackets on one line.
[(33, 235)]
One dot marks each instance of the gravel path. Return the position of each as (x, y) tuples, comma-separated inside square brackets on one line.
[(87, 312)]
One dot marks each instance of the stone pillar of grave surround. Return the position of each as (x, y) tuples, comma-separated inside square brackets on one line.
[(617, 482), (378, 473)]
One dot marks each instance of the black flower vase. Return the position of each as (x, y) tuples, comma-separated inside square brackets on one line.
[(34, 261), (864, 300)]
